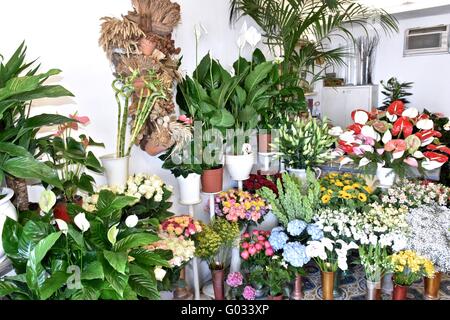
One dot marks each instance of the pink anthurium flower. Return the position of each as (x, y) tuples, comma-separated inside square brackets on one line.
[(83, 120), (397, 145), (410, 161), (402, 125), (380, 151)]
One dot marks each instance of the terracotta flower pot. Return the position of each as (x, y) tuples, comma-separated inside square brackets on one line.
[(327, 285), (212, 180), (264, 141), (432, 287), (400, 292), (218, 278), (279, 297)]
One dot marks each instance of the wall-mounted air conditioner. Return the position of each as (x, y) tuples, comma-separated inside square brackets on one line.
[(432, 40)]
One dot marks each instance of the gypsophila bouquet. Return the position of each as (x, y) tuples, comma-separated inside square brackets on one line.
[(183, 249), (336, 223), (240, 206), (181, 226), (345, 190), (429, 234), (409, 267), (414, 193)]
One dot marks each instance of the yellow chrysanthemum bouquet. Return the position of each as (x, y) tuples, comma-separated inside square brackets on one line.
[(345, 190), (408, 267)]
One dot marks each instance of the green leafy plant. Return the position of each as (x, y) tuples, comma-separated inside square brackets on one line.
[(296, 200), (20, 84), (304, 143), (274, 276), (97, 257), (394, 91), (182, 163)]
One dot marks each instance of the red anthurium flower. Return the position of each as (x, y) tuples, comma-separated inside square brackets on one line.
[(346, 147), (444, 149), (423, 116), (427, 134), (434, 156), (397, 107), (402, 125), (356, 128)]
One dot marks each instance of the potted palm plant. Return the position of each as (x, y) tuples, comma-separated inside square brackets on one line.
[(304, 143), (146, 89)]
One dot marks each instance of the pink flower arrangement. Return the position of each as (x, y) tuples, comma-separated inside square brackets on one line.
[(249, 293), (396, 137), (255, 246), (181, 226), (235, 279), (240, 206)]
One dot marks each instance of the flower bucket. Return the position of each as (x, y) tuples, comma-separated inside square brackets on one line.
[(387, 284), (218, 278), (386, 176), (301, 173), (373, 290), (116, 169), (399, 292), (327, 285), (239, 167), (6, 210), (189, 189), (432, 287), (212, 180), (297, 293)]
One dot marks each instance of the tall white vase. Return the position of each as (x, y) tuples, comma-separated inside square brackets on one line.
[(239, 167), (7, 209), (189, 189), (116, 169), (386, 176)]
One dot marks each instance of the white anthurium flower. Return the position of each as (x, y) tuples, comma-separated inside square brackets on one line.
[(410, 113), (199, 31), (363, 162), (335, 131), (345, 161), (391, 117), (366, 148), (160, 273), (431, 165), (398, 155), (387, 136), (361, 117), (327, 243), (418, 155), (81, 222), (425, 124), (253, 37), (47, 201), (342, 263), (369, 132), (427, 142), (348, 136), (447, 126), (62, 226), (132, 221), (381, 164)]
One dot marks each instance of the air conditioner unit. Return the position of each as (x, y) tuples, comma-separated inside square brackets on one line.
[(432, 40)]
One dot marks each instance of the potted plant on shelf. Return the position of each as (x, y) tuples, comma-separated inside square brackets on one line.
[(408, 267), (304, 143), (213, 245), (392, 143), (145, 89), (20, 85)]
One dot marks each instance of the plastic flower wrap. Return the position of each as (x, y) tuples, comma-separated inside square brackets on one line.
[(183, 250), (181, 226), (344, 190), (255, 248), (398, 138), (429, 234), (240, 206), (414, 193), (409, 267)]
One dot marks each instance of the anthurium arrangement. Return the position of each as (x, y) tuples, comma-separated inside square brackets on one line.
[(97, 256), (398, 139)]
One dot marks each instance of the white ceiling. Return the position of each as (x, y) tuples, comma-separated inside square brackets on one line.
[(397, 6)]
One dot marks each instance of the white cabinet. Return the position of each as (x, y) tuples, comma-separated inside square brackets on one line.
[(339, 102)]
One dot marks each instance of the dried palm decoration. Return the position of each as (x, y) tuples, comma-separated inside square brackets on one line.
[(120, 34), (155, 16)]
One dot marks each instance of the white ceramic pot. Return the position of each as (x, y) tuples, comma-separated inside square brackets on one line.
[(116, 169), (6, 210), (301, 173), (239, 166), (189, 189), (386, 177)]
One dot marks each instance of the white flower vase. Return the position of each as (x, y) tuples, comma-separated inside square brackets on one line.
[(386, 177), (235, 263), (116, 169), (301, 173), (7, 209), (239, 167), (189, 189)]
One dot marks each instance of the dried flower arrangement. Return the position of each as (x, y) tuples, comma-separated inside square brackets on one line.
[(142, 41)]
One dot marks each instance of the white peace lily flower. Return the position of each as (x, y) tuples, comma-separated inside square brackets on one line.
[(410, 113), (47, 201), (431, 165), (425, 124), (369, 132), (160, 273), (199, 31), (387, 136), (361, 117), (363, 162), (253, 37), (81, 222), (132, 221), (241, 41), (62, 226), (391, 117), (335, 131)]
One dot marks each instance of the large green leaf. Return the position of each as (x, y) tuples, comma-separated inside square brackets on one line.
[(12, 231), (117, 260), (258, 75), (144, 283), (222, 119), (52, 284), (93, 164), (46, 120), (116, 280), (32, 233), (42, 248), (54, 91), (14, 150), (7, 287), (86, 293), (148, 258), (108, 203), (94, 270), (135, 240), (30, 168)]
